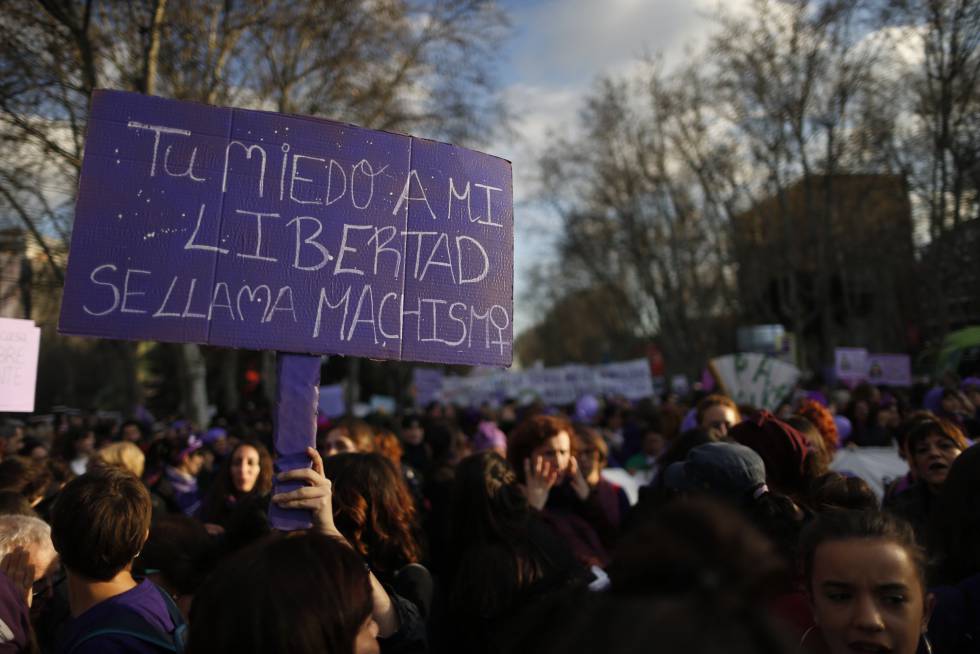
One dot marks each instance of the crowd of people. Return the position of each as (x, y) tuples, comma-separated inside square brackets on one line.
[(501, 529)]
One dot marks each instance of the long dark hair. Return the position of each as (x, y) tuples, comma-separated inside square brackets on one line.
[(954, 534), (306, 594), (488, 504), (374, 509), (497, 551), (223, 487)]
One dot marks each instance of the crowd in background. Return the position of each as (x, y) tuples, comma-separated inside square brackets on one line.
[(500, 529)]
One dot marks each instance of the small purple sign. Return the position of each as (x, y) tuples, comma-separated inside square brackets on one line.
[(890, 369), (270, 231)]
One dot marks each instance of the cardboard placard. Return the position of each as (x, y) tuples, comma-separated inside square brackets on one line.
[(755, 379), (20, 343), (277, 232)]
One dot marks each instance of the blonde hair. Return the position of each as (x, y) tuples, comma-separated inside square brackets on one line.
[(717, 399), (124, 455)]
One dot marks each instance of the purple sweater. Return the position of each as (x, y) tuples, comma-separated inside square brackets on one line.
[(144, 600)]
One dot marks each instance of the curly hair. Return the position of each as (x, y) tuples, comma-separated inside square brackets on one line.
[(374, 510), (823, 420)]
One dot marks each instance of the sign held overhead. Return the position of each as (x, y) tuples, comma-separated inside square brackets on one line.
[(269, 231)]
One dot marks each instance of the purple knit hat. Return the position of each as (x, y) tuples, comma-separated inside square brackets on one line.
[(489, 437)]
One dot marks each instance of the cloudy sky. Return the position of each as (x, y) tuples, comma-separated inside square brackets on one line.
[(557, 50)]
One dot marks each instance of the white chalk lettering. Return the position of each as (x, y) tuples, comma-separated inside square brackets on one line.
[(331, 198), (381, 313), (127, 293), (462, 324), (465, 196), (407, 197), (157, 131), (191, 245), (344, 300), (253, 296), (160, 313), (285, 291), (258, 234), (190, 166), (282, 171), (379, 247), (489, 220), (338, 268), (190, 298), (418, 247), (435, 321), (500, 328), (248, 155), (365, 293), (483, 254), (295, 177), (368, 170), (431, 261), (214, 300), (485, 317), (309, 240), (115, 291)]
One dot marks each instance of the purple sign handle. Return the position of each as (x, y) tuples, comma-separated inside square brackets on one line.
[(295, 425)]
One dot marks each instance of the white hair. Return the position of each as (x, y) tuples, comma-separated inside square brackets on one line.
[(23, 531)]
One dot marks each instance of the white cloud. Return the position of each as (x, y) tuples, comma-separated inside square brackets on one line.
[(560, 48)]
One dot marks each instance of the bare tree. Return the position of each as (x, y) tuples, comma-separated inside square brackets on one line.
[(389, 64), (638, 220)]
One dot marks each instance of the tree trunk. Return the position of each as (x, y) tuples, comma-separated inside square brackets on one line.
[(230, 395), (195, 391)]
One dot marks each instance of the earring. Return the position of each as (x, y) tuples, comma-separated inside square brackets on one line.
[(925, 640), (807, 633)]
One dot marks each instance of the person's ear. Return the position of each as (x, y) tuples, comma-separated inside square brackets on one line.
[(146, 537), (927, 608)]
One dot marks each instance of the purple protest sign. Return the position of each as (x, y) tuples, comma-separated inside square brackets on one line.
[(269, 231), (890, 369)]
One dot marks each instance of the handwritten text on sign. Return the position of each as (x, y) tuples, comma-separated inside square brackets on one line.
[(268, 231)]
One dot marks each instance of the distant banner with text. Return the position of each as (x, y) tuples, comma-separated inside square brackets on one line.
[(554, 386)]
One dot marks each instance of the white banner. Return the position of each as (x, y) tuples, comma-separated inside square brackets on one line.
[(556, 386), (20, 344), (755, 379), (876, 465)]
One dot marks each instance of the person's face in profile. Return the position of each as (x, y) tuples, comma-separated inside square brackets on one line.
[(588, 459), (867, 597), (195, 462)]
